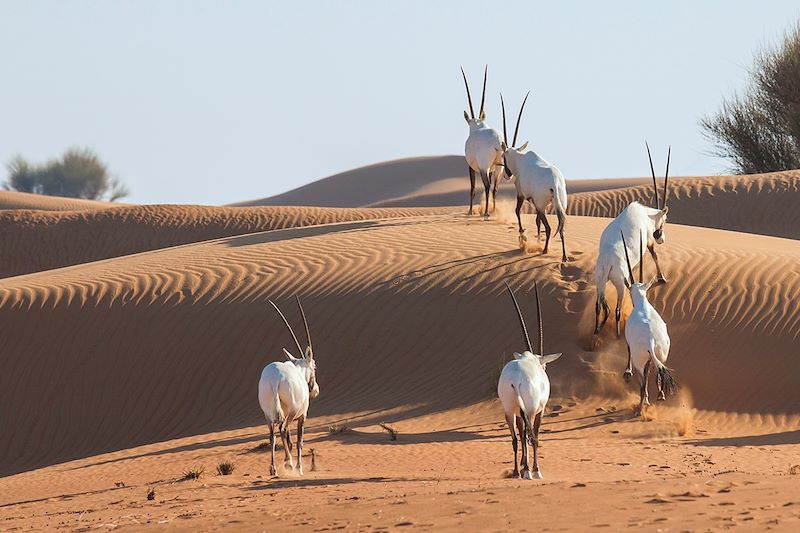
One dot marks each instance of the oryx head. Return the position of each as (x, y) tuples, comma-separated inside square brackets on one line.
[(509, 148), (660, 218), (543, 359), (470, 117), (306, 361), (638, 289)]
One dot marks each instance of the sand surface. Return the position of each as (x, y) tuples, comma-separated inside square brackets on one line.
[(24, 200), (125, 369)]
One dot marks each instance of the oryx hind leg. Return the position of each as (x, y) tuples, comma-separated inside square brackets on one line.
[(628, 374), (546, 232), (487, 186), (511, 421), (471, 190), (522, 429), (643, 397)]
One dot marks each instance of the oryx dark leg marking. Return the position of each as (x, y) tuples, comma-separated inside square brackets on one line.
[(628, 374), (643, 399), (661, 278), (520, 201), (546, 232), (471, 189), (272, 470), (511, 423), (487, 185), (300, 426), (536, 423), (523, 437)]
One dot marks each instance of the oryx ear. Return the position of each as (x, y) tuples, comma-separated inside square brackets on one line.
[(482, 116), (522, 148), (517, 355), (289, 356), (466, 117), (665, 210), (309, 355), (549, 358)]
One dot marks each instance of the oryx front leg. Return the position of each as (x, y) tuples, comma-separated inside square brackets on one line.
[(660, 279), (523, 241), (618, 311), (471, 189), (628, 374)]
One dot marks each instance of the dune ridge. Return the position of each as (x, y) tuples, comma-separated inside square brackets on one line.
[(34, 241), (24, 200), (760, 203)]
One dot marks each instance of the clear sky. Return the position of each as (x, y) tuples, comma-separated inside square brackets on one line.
[(217, 102)]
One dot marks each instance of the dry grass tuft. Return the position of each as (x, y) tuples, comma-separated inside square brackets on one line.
[(390, 430)]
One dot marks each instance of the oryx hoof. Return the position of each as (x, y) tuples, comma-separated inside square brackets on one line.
[(272, 470), (299, 470), (564, 259), (627, 376), (538, 474), (661, 396), (526, 474), (288, 465), (515, 474), (523, 241), (470, 212), (486, 217), (595, 342)]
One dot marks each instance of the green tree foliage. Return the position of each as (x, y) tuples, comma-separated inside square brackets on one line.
[(79, 173), (759, 130)]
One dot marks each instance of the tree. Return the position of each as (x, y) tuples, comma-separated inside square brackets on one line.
[(760, 129), (78, 174)]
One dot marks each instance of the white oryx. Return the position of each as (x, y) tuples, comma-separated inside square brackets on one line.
[(483, 149), (283, 393), (647, 337), (537, 181), (524, 390), (634, 219)]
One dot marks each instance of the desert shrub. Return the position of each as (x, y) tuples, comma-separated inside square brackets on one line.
[(759, 130), (77, 174)]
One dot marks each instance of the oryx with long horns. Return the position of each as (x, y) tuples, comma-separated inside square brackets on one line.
[(634, 219), (537, 181), (524, 389), (483, 149), (646, 336), (284, 391)]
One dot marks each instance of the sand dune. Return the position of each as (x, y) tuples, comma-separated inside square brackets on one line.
[(167, 343), (761, 203), (418, 182), (35, 241), (24, 200)]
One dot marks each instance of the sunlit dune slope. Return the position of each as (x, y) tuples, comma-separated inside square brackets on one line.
[(405, 313)]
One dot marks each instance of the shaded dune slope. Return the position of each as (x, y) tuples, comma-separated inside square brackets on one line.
[(33, 241), (24, 200), (768, 204), (406, 313)]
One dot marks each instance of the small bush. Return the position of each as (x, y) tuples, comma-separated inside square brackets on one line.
[(151, 494), (192, 473), (390, 430), (225, 468), (794, 470)]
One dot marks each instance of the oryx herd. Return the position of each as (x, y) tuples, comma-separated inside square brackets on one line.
[(285, 388)]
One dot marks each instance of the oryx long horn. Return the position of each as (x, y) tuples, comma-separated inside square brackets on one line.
[(519, 118), (666, 178), (299, 349), (539, 314), (505, 131), (305, 322), (483, 94), (641, 259), (521, 320), (469, 97), (627, 259), (653, 172)]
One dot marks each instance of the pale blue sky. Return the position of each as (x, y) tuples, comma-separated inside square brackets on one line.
[(217, 102)]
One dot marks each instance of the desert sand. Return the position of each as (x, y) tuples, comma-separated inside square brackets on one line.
[(126, 365)]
